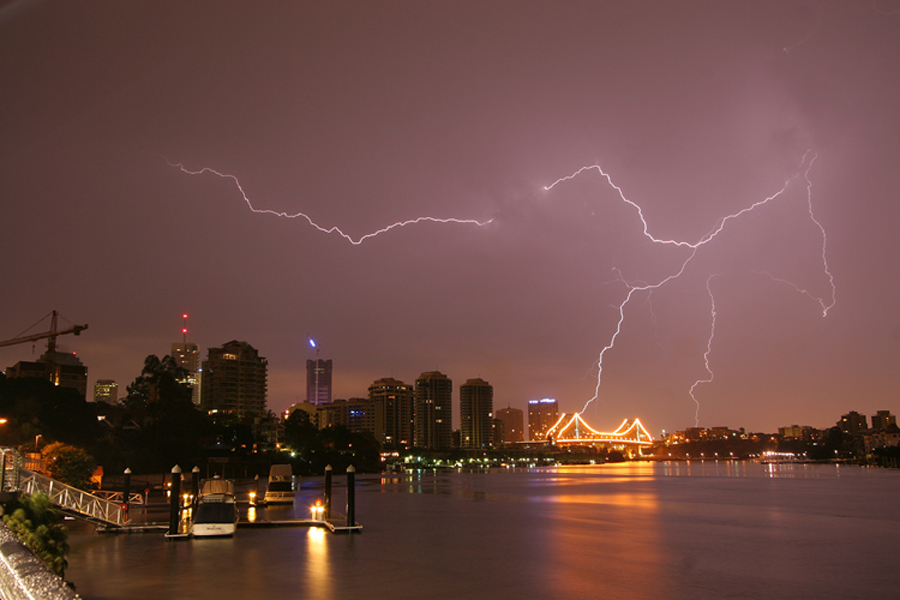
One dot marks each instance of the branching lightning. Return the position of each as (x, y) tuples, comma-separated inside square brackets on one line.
[(709, 341), (328, 230), (632, 287)]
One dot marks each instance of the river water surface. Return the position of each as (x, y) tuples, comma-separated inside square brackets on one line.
[(628, 531)]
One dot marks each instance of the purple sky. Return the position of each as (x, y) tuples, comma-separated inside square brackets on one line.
[(364, 114)]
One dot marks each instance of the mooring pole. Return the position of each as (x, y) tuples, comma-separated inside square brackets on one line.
[(175, 500), (195, 483), (351, 496), (2, 470), (126, 489), (328, 471)]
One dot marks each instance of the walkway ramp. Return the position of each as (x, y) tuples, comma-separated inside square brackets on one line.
[(16, 478), (73, 501)]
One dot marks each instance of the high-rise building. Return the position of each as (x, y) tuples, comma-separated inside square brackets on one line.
[(398, 399), (106, 390), (63, 369), (356, 414), (883, 419), (513, 421), (434, 425), (318, 381), (542, 415), (234, 380), (852, 423), (476, 403), (187, 356)]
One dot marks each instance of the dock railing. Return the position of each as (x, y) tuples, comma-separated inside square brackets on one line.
[(68, 498)]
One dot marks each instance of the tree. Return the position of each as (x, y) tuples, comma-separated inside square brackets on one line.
[(37, 523), (172, 429), (68, 464), (159, 381)]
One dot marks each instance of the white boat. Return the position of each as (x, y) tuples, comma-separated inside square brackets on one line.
[(280, 488), (216, 513)]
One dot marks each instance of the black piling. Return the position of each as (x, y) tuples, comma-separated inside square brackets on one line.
[(328, 471), (351, 496), (126, 489), (195, 484), (175, 501)]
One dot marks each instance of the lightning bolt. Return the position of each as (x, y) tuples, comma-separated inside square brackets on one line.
[(308, 219), (709, 341), (632, 287)]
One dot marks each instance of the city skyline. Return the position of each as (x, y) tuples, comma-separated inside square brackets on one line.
[(456, 118)]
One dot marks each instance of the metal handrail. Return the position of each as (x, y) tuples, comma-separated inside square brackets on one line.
[(71, 498)]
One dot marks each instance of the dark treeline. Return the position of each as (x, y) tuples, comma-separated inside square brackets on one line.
[(156, 426)]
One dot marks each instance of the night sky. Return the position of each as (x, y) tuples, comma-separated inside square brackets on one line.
[(363, 114)]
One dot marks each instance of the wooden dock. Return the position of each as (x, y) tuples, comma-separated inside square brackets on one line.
[(331, 525)]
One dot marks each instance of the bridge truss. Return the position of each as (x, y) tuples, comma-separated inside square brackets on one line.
[(572, 429)]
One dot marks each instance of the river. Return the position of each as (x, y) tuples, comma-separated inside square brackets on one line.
[(619, 531)]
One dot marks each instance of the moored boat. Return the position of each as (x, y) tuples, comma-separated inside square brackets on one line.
[(216, 513)]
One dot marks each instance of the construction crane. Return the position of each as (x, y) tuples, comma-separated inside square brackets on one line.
[(49, 335)]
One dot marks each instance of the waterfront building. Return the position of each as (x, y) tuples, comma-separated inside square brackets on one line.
[(433, 413), (883, 419), (234, 380), (356, 414), (542, 415), (106, 390), (852, 423), (513, 420), (398, 400), (318, 381), (63, 369), (476, 403), (798, 432)]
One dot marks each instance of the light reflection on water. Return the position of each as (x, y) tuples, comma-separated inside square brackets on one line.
[(634, 530)]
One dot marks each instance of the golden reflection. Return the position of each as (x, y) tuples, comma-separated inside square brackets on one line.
[(318, 567), (251, 513), (623, 529)]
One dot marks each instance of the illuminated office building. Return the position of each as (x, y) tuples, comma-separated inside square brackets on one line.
[(513, 421), (433, 417), (318, 381), (542, 415), (234, 381), (476, 403), (398, 400), (106, 390)]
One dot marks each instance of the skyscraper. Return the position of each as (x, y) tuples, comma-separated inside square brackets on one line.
[(187, 355), (234, 380), (398, 399), (318, 381), (434, 425), (106, 390), (476, 403), (542, 414), (513, 424)]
